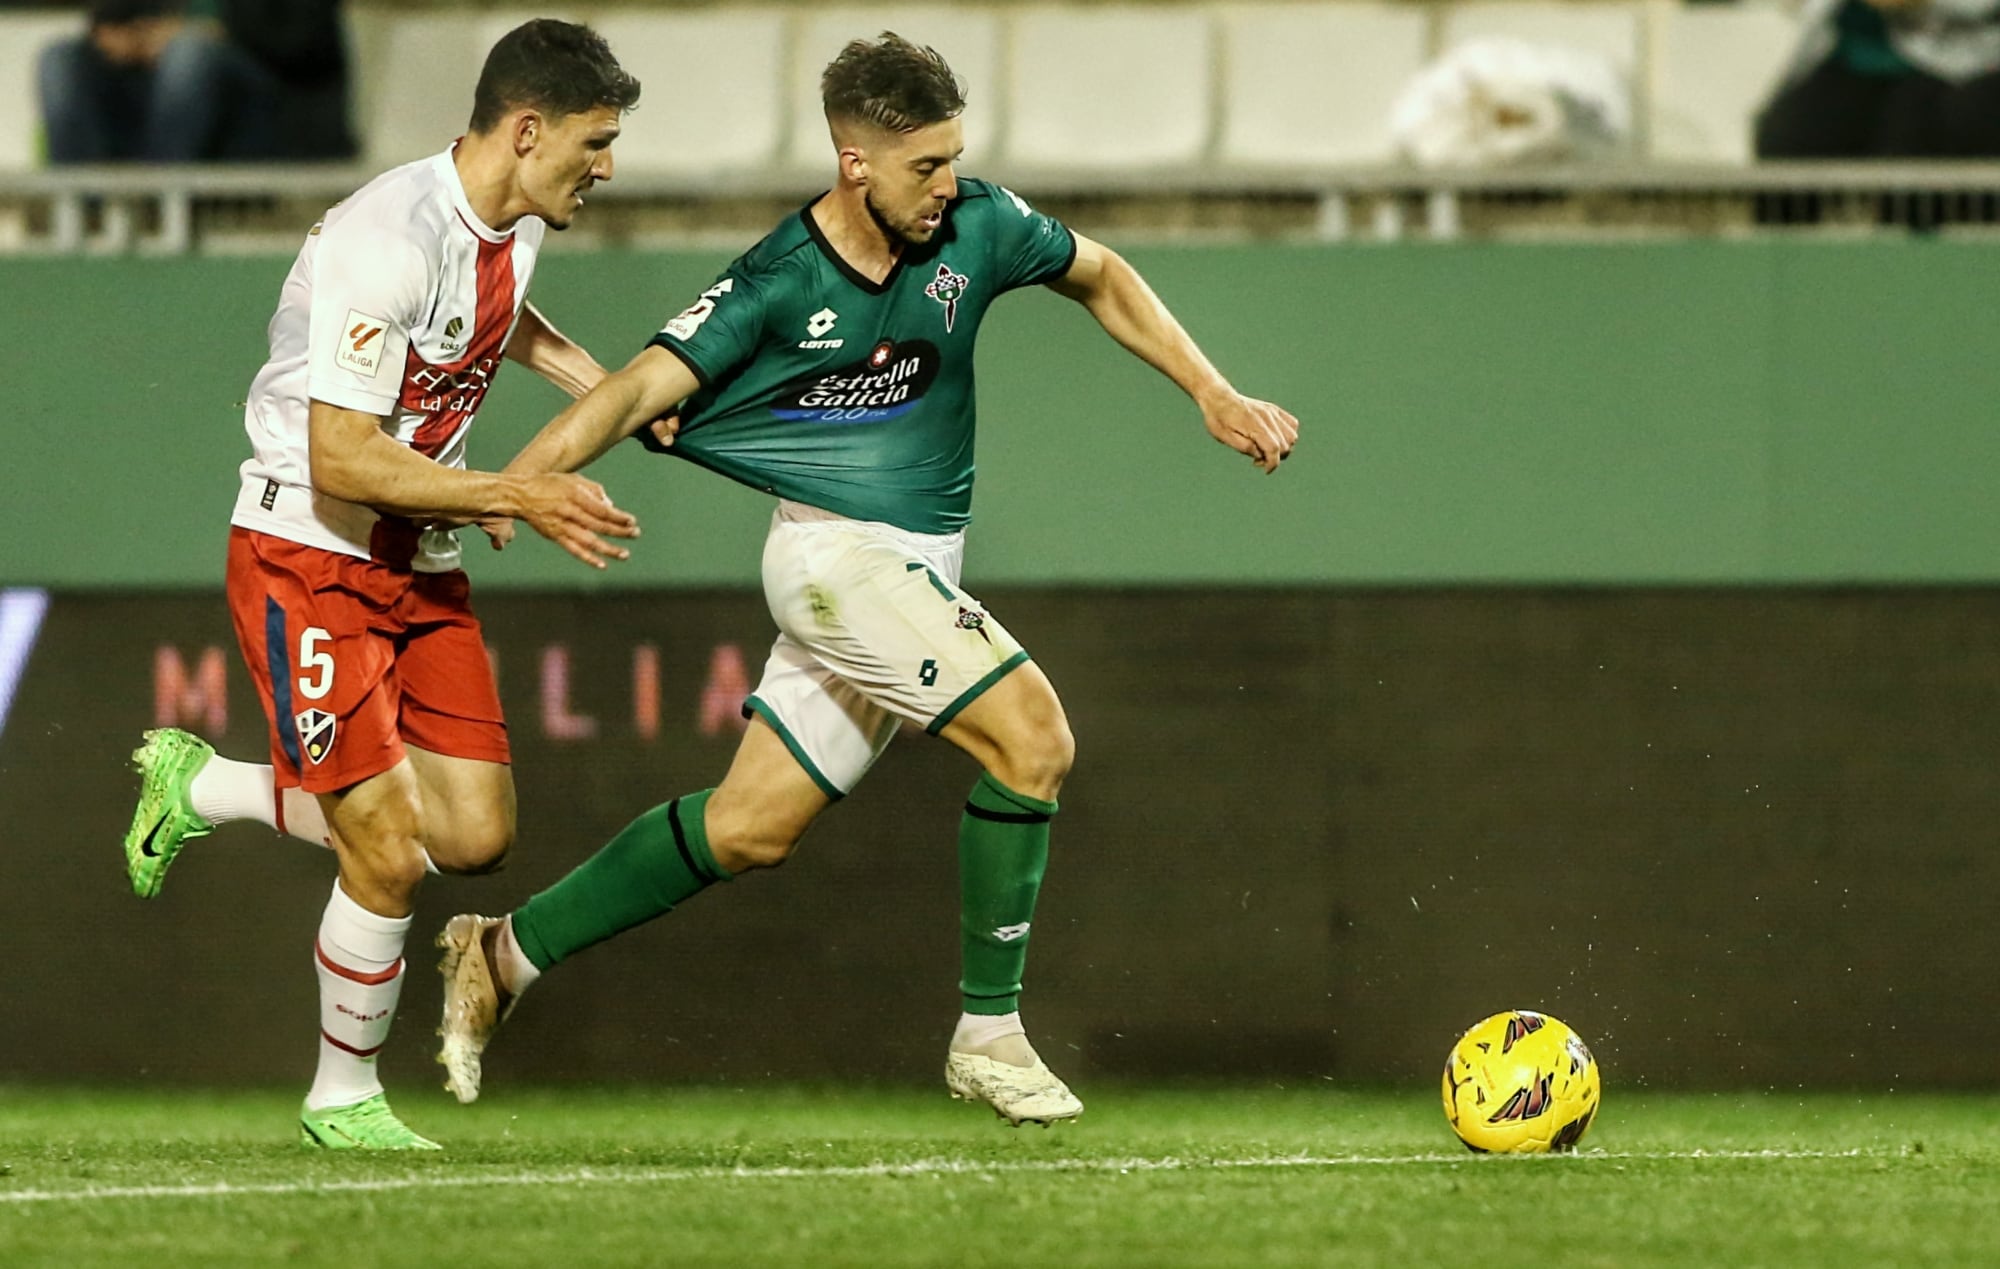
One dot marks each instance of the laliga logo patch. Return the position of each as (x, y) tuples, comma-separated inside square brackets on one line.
[(947, 289), (315, 727), (360, 346)]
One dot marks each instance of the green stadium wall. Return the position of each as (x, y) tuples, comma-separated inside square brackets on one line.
[(1741, 413)]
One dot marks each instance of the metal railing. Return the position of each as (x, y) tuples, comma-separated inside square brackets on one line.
[(177, 210)]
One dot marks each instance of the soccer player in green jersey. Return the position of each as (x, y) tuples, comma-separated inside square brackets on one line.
[(832, 365)]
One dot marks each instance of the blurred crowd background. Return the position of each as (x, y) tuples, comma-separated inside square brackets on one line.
[(1291, 100)]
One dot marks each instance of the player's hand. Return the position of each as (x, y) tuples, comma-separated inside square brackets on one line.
[(499, 530), (1249, 426), (665, 428), (571, 511)]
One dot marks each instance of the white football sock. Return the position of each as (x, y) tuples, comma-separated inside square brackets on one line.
[(517, 973), (359, 957), (225, 790), (998, 1036)]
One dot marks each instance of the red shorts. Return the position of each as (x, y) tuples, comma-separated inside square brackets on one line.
[(352, 658)]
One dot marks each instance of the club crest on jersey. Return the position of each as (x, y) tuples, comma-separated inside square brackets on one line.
[(315, 728), (947, 288), (975, 621)]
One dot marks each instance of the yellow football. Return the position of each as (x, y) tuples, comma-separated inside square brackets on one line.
[(1520, 1083)]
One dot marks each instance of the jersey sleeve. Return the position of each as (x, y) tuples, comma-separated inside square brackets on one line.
[(1030, 248), (367, 295), (719, 331)]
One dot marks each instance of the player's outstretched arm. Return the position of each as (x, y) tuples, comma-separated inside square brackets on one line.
[(1101, 281), (539, 346), (354, 460), (650, 386)]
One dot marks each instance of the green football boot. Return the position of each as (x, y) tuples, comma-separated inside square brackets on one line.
[(165, 819), (368, 1125)]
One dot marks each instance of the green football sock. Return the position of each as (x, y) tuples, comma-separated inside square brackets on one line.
[(659, 860), (1003, 849)]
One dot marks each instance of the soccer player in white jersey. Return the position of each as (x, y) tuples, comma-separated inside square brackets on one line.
[(832, 364), (386, 739)]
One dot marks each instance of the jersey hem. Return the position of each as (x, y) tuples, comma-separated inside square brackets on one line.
[(351, 540)]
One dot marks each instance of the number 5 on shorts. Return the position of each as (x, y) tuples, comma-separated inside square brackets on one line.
[(927, 674), (319, 662)]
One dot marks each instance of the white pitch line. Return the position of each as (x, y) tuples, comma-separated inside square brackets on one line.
[(921, 1167)]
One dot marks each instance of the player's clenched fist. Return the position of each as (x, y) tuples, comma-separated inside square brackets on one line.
[(1249, 426), (571, 511)]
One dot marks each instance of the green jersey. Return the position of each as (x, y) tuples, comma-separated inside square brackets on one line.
[(854, 396)]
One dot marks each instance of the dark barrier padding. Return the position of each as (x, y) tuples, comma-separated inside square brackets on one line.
[(1734, 837)]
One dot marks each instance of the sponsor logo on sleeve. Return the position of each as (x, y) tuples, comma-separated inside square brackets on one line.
[(361, 340), (689, 320)]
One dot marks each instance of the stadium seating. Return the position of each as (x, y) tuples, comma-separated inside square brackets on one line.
[(1257, 84), (22, 37), (1311, 84), (1712, 68), (1158, 64), (695, 116)]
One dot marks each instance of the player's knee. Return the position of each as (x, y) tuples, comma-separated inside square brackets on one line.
[(741, 851), (740, 839), (483, 845), (1039, 760), (385, 867)]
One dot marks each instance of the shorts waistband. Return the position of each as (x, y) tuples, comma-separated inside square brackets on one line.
[(790, 512)]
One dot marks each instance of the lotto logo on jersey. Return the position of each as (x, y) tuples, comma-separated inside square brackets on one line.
[(361, 340)]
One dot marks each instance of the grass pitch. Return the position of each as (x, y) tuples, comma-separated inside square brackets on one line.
[(848, 1176)]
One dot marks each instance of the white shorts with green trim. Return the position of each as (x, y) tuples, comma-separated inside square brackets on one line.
[(874, 632)]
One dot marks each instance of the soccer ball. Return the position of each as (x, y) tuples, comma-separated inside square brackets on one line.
[(1520, 1083)]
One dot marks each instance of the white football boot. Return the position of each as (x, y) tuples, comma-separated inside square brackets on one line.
[(1018, 1094), (472, 1008)]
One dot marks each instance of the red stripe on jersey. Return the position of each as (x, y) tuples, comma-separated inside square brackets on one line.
[(365, 979), (451, 393)]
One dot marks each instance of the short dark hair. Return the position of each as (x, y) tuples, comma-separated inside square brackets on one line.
[(558, 68), (892, 84)]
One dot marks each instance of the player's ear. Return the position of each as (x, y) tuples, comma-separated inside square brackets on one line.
[(853, 165), (528, 127)]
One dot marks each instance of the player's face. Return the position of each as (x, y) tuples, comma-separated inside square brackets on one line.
[(911, 178), (569, 155)]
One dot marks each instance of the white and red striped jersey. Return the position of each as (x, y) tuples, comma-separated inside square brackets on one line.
[(400, 305)]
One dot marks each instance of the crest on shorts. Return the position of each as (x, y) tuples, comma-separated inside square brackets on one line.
[(315, 728), (972, 619), (947, 288)]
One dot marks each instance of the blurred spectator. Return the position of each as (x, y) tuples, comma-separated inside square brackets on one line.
[(1498, 101), (1889, 79), (234, 80)]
